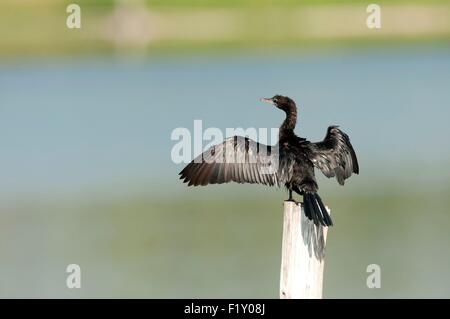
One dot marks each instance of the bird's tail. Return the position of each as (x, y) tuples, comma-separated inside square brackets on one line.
[(315, 209)]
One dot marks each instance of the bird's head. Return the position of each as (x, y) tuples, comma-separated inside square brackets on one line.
[(282, 102)]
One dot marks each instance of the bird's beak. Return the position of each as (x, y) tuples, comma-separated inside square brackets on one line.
[(266, 100)]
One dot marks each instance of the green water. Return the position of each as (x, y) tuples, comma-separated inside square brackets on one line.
[(222, 247)]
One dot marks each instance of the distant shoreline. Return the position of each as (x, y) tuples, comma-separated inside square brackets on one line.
[(39, 30)]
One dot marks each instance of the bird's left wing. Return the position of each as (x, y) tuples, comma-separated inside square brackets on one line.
[(238, 159), (335, 155)]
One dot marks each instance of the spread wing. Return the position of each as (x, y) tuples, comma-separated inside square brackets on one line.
[(238, 159), (335, 156)]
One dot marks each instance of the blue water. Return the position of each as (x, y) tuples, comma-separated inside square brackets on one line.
[(71, 126)]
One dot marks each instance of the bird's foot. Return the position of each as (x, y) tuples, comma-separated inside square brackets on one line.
[(291, 199)]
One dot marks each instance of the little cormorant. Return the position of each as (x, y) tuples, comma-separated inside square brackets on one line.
[(290, 162)]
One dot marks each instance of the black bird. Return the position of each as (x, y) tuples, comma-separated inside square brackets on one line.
[(290, 162)]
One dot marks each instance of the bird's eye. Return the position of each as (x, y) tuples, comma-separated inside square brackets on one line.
[(275, 100)]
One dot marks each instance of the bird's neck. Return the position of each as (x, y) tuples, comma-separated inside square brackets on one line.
[(288, 125)]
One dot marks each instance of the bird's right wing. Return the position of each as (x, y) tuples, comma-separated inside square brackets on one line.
[(238, 159)]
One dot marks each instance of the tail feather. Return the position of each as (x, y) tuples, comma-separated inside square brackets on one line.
[(315, 210), (310, 211), (308, 207), (319, 213), (327, 216)]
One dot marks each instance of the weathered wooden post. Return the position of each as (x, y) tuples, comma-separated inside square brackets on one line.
[(303, 254)]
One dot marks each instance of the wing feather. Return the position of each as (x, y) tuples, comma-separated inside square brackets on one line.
[(335, 155), (237, 159)]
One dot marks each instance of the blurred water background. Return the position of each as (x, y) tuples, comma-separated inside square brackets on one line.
[(86, 174)]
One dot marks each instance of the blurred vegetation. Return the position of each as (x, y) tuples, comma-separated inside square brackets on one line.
[(38, 28)]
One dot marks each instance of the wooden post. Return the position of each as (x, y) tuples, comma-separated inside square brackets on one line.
[(303, 254)]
